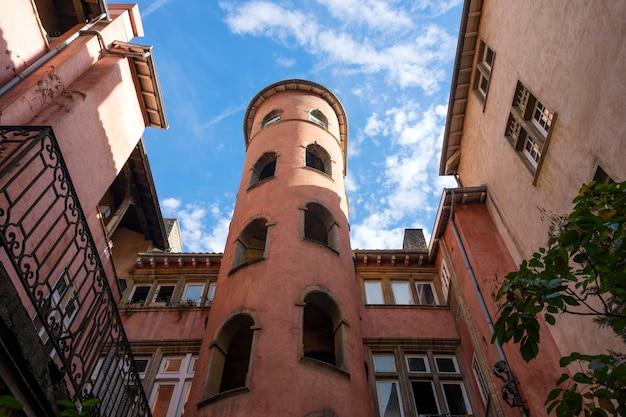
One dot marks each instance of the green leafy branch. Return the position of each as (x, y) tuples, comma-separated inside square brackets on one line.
[(581, 271)]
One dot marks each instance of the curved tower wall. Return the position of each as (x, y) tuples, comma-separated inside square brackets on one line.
[(293, 272)]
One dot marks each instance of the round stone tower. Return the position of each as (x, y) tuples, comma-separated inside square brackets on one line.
[(283, 337)]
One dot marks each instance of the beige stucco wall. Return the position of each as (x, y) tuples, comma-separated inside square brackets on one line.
[(572, 57)]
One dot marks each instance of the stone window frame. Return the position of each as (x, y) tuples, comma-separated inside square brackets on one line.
[(529, 128), (484, 67), (401, 377), (318, 117), (322, 214), (272, 117), (386, 280), (257, 176), (340, 326), (243, 253), (219, 347), (317, 158)]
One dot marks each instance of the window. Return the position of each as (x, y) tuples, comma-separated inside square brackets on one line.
[(480, 380), (230, 356), (445, 280), (602, 177), (164, 293), (484, 66), (529, 126), (316, 116), (140, 294), (272, 117), (317, 158), (319, 225), (323, 330), (172, 385), (400, 291), (251, 243), (193, 292), (264, 168), (211, 294), (432, 391)]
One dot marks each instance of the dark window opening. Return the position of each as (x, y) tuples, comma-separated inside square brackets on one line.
[(602, 177), (314, 227), (318, 335), (264, 168), (424, 397), (317, 158), (230, 356), (140, 294), (164, 294), (251, 243)]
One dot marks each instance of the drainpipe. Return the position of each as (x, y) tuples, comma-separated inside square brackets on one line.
[(501, 367), (41, 61)]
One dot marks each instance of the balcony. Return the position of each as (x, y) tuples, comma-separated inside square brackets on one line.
[(52, 260)]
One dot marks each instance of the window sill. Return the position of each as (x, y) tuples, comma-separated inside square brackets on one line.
[(325, 365), (221, 395), (409, 306), (243, 265), (319, 172), (324, 245)]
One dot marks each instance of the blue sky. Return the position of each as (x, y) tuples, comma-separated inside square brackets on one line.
[(389, 62)]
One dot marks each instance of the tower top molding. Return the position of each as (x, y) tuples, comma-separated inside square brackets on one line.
[(303, 86)]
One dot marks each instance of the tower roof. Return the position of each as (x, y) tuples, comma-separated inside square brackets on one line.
[(299, 85)]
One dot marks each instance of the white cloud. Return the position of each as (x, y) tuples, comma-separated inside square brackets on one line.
[(375, 13), (203, 229), (285, 62), (154, 7), (415, 60), (409, 180), (436, 7)]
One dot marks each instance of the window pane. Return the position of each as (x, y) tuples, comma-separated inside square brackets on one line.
[(446, 364), (401, 292), (374, 292), (384, 363), (164, 293), (424, 396), (425, 293), (140, 294), (416, 364), (171, 364), (388, 399), (211, 294), (162, 399), (455, 399), (141, 365), (193, 292)]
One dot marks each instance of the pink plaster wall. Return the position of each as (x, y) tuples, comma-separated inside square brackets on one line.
[(490, 261), (571, 56), (280, 382)]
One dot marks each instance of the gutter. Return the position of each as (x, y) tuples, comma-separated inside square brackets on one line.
[(501, 367), (41, 61)]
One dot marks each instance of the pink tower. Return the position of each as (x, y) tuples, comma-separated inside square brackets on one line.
[(283, 337)]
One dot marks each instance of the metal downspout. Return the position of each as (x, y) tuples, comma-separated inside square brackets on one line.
[(41, 61), (483, 306)]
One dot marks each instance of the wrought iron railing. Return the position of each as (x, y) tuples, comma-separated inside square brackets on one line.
[(53, 256)]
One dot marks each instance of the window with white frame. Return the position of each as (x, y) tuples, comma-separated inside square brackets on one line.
[(193, 293), (432, 384), (316, 116), (163, 293), (272, 117), (172, 385), (139, 294), (484, 66), (480, 379), (211, 293), (529, 126), (392, 290)]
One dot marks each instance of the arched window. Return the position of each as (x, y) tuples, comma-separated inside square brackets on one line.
[(316, 116), (271, 117), (251, 243), (319, 225), (318, 158), (323, 330), (263, 168), (230, 356)]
